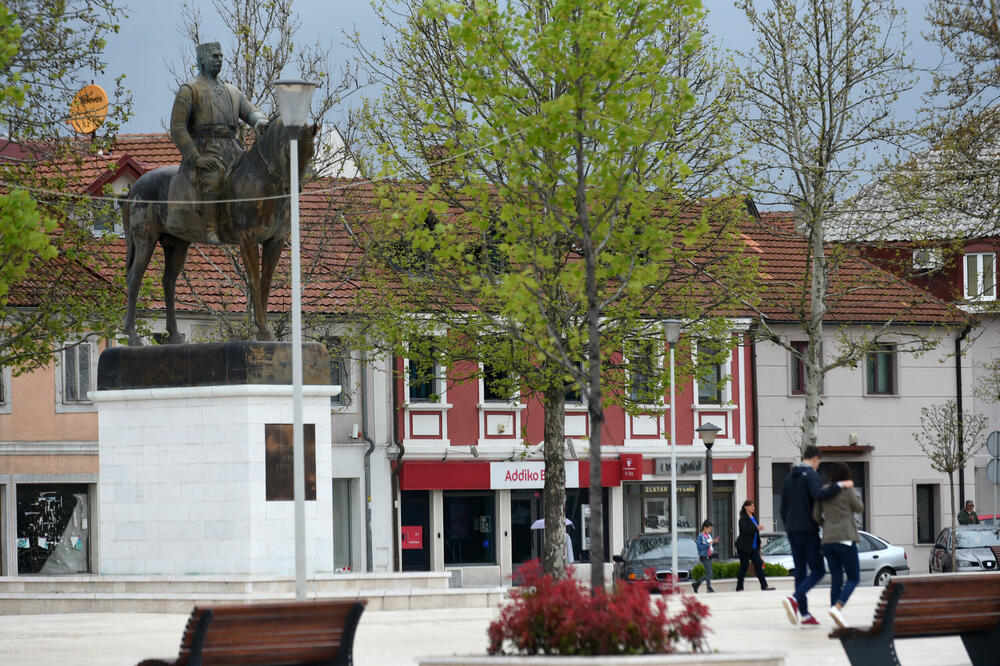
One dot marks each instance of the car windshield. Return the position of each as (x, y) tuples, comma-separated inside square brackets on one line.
[(777, 546), (660, 549), (978, 538)]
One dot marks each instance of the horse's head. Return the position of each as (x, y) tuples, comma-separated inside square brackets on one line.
[(273, 144)]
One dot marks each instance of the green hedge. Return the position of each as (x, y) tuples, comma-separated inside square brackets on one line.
[(730, 569)]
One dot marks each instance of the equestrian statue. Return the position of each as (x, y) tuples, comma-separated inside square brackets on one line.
[(220, 194)]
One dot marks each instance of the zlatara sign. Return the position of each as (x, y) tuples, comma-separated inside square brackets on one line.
[(528, 474)]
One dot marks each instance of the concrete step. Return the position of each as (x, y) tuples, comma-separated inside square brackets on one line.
[(322, 584), (31, 603)]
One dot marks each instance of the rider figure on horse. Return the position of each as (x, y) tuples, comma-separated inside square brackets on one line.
[(204, 125)]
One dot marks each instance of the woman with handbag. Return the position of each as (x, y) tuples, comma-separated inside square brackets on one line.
[(748, 546)]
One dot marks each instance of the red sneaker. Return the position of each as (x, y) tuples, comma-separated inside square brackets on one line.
[(809, 621), (792, 609)]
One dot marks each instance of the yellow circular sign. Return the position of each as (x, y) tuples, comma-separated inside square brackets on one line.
[(88, 109)]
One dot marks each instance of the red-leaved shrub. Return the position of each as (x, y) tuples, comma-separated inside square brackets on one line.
[(549, 616)]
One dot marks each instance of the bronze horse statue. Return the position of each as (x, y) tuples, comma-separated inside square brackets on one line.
[(253, 210)]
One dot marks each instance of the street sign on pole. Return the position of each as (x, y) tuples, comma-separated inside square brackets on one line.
[(993, 444), (993, 472)]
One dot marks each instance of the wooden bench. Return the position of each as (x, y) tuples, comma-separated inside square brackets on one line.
[(967, 605), (308, 632)]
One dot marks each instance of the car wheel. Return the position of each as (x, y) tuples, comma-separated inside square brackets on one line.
[(882, 577)]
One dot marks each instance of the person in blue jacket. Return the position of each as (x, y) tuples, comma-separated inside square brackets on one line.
[(705, 551), (802, 488)]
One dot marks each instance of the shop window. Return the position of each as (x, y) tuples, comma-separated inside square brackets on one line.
[(881, 370), (53, 528), (469, 521), (342, 515), (980, 276), (927, 512)]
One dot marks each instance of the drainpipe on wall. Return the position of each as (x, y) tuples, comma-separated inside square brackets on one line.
[(753, 415), (368, 462), (958, 403), (397, 468)]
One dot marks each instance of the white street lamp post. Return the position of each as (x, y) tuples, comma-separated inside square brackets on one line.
[(294, 99), (673, 331)]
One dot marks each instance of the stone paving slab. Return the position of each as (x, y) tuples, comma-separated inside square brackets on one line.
[(740, 622)]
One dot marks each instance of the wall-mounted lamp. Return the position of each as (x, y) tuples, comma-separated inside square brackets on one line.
[(474, 450)]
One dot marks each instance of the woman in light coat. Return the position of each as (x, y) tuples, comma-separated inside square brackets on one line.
[(840, 540)]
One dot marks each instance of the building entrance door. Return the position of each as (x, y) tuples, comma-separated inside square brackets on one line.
[(525, 509), (415, 517), (722, 516)]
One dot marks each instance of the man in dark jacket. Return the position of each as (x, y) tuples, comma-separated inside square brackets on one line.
[(968, 515), (802, 488)]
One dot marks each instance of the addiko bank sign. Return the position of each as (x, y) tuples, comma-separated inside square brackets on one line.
[(528, 474), (497, 475)]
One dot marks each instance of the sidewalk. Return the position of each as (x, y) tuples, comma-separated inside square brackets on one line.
[(741, 621)]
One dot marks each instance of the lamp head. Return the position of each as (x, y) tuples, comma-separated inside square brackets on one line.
[(707, 432), (294, 98), (673, 331)]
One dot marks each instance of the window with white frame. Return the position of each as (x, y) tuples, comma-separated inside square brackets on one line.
[(980, 276), (423, 371), (644, 373), (76, 376), (880, 368), (927, 512), (574, 396), (497, 383), (5, 397), (711, 376), (340, 371), (797, 367)]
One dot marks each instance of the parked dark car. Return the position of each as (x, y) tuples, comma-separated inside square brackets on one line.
[(654, 551), (971, 544)]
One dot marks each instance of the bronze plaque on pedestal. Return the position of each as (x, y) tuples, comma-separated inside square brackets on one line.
[(278, 461)]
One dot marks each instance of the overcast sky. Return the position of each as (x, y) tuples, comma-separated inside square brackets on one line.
[(150, 40)]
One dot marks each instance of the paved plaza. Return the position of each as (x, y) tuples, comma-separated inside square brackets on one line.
[(741, 621)]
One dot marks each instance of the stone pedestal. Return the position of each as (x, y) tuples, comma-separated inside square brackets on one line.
[(184, 465)]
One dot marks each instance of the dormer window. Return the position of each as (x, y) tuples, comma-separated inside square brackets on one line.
[(980, 276)]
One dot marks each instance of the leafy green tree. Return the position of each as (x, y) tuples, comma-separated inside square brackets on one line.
[(51, 287), (542, 163)]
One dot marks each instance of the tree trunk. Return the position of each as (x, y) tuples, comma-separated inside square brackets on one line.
[(554, 492), (594, 400), (813, 360)]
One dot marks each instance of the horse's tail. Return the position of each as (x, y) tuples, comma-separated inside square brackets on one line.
[(129, 245)]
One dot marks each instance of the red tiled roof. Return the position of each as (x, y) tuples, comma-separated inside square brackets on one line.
[(333, 211), (859, 292)]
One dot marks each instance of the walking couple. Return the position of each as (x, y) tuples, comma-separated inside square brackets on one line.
[(805, 505)]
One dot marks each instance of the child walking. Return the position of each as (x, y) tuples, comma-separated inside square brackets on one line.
[(705, 551)]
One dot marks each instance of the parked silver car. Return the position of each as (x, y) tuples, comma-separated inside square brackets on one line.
[(972, 549), (878, 558)]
